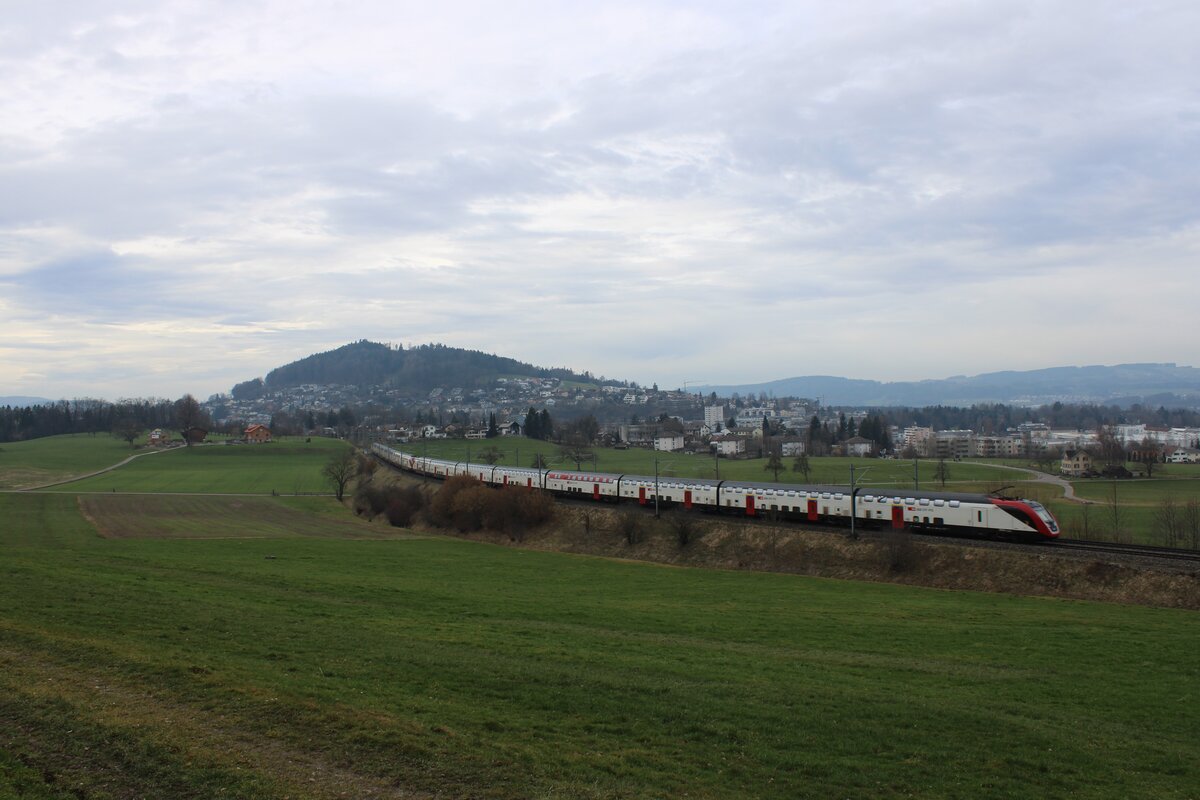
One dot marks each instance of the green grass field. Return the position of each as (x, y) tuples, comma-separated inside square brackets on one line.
[(40, 461), (520, 450), (294, 665), (288, 466)]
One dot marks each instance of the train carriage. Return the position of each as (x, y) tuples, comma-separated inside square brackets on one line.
[(518, 476), (596, 485), (872, 507)]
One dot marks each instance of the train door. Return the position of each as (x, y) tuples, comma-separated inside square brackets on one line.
[(897, 516), (687, 498), (812, 510), (506, 480), (595, 491), (529, 482), (749, 505), (642, 495)]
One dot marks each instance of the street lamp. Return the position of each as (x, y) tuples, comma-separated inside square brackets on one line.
[(854, 499)]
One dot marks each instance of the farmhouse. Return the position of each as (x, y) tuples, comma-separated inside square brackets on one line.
[(1076, 463), (258, 434)]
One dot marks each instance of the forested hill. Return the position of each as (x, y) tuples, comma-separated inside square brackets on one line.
[(1123, 384), (416, 369)]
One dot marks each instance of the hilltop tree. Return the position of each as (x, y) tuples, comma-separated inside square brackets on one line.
[(339, 471)]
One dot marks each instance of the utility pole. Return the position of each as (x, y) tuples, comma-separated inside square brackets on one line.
[(656, 487), (854, 499), (916, 475)]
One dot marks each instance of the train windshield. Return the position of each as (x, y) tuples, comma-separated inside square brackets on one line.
[(1045, 515)]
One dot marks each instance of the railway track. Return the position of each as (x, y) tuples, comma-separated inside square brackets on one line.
[(1142, 550)]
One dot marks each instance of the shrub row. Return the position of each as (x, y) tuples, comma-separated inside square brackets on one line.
[(465, 504)]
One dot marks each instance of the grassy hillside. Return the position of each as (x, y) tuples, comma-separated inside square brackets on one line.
[(303, 666), (39, 461), (285, 466)]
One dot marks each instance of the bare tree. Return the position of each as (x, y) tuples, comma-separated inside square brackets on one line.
[(339, 471), (538, 462), (575, 452), (1148, 453), (1116, 515), (1168, 522), (127, 429), (1191, 522), (189, 416), (802, 466), (1085, 518), (942, 472), (1109, 448), (774, 463), (490, 455)]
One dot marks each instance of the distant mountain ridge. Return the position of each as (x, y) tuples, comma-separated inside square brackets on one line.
[(414, 369), (22, 401), (1123, 384)]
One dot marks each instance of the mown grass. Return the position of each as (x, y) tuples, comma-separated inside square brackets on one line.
[(308, 666), (285, 467), (39, 461)]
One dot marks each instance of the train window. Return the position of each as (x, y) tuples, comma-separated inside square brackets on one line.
[(924, 501), (910, 501), (837, 496), (980, 515), (939, 502), (824, 495), (939, 521), (955, 504)]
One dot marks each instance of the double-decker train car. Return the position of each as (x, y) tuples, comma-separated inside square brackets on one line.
[(830, 504)]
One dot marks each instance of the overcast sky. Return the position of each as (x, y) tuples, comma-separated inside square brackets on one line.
[(196, 192)]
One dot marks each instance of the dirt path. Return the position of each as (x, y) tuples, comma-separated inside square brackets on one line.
[(74, 478), (1040, 477)]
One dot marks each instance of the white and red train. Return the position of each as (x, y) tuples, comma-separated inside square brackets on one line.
[(951, 511)]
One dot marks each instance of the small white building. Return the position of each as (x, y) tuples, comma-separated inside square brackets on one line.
[(729, 446), (791, 449), (1181, 455), (668, 442)]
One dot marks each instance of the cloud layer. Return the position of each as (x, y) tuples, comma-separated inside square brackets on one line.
[(197, 192)]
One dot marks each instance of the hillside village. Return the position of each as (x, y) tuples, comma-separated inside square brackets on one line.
[(673, 421)]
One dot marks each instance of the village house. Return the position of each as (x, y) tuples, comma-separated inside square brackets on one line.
[(668, 442), (858, 446), (1076, 463), (257, 434), (728, 446)]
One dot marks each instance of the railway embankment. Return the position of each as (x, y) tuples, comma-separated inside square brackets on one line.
[(693, 540)]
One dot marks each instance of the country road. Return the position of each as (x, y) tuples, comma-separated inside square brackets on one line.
[(1040, 477)]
